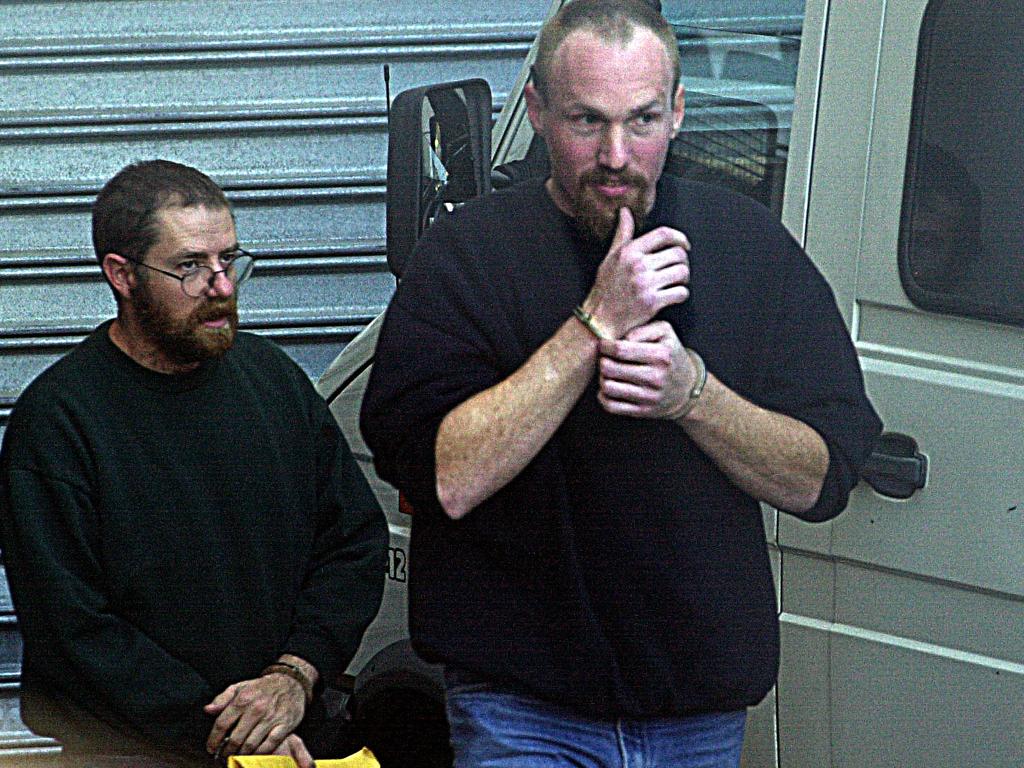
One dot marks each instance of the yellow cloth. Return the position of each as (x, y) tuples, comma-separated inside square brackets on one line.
[(362, 759)]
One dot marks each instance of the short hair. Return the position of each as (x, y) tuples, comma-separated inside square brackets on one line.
[(124, 214), (612, 21)]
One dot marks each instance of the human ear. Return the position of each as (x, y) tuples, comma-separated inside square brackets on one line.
[(119, 273), (678, 108), (534, 108)]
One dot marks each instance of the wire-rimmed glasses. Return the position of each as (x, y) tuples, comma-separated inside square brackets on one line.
[(197, 280)]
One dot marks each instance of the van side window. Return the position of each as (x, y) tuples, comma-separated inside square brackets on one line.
[(739, 104), (961, 244)]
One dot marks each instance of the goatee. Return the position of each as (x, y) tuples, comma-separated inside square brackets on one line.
[(187, 341), (597, 215)]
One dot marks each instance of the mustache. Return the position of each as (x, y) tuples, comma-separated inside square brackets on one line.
[(216, 309), (599, 176)]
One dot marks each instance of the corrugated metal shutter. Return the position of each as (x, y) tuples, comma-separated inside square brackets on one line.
[(281, 102)]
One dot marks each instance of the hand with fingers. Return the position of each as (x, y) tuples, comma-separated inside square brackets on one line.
[(295, 748), (647, 374), (258, 717), (638, 277)]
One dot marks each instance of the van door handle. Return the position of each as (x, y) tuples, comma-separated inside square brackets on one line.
[(895, 467)]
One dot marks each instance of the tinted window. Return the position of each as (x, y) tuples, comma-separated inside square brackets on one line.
[(739, 104), (961, 234)]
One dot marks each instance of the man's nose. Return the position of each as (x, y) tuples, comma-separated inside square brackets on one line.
[(221, 285), (614, 150)]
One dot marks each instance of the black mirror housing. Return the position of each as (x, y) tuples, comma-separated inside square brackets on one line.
[(439, 156)]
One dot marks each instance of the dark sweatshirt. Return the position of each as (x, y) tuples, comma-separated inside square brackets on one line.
[(166, 536), (621, 572)]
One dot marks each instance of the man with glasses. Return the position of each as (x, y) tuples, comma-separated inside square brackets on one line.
[(191, 548)]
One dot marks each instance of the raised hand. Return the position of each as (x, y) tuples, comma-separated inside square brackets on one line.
[(638, 277)]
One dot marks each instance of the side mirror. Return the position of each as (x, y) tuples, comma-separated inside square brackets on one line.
[(439, 155)]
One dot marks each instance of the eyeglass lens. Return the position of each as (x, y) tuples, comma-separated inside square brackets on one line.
[(199, 281)]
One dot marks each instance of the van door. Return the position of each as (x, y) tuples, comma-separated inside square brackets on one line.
[(903, 620)]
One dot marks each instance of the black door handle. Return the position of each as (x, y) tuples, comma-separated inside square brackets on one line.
[(895, 467)]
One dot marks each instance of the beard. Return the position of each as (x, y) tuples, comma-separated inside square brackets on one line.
[(597, 215), (186, 341)]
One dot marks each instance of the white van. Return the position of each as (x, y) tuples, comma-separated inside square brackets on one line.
[(887, 138)]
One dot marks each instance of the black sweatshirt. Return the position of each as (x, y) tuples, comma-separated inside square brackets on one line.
[(166, 536), (620, 573)]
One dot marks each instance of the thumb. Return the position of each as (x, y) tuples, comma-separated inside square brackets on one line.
[(624, 232)]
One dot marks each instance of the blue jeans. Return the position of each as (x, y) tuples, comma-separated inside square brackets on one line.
[(491, 728)]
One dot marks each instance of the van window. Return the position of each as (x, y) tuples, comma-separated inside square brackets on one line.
[(739, 104), (961, 247)]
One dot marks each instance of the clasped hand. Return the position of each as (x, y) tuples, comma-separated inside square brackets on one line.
[(648, 374), (644, 370), (258, 717)]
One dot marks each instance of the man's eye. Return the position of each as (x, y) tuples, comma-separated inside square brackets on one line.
[(645, 124), (227, 258), (188, 267), (585, 125)]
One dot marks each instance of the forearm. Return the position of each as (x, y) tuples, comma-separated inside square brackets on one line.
[(162, 701), (486, 441), (772, 457)]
